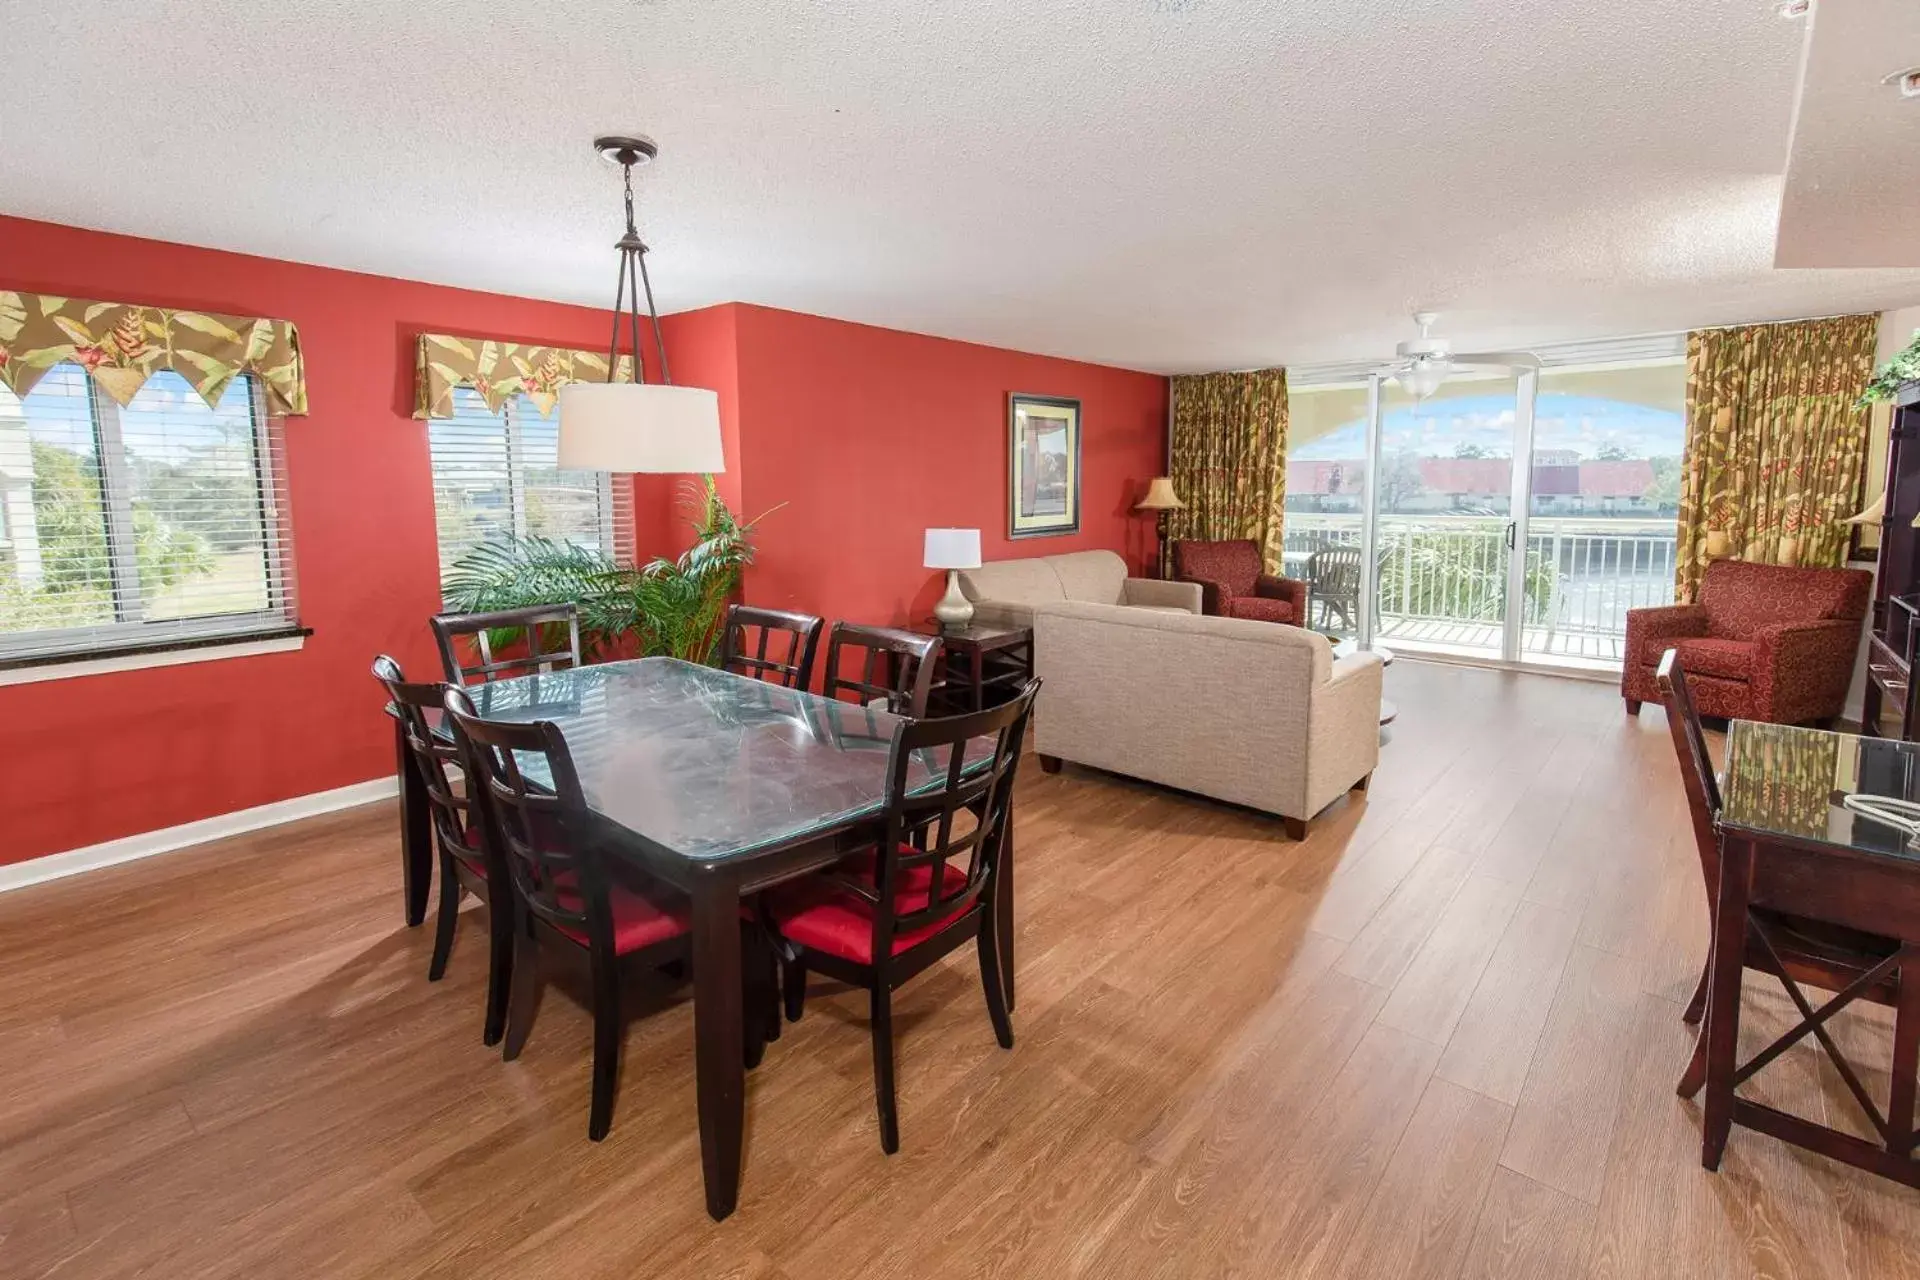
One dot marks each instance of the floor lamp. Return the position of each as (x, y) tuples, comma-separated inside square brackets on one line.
[(1160, 499)]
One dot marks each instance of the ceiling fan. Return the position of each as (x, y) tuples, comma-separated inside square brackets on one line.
[(1421, 364)]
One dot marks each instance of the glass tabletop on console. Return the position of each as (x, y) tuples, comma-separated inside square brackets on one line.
[(1791, 784), (708, 764)]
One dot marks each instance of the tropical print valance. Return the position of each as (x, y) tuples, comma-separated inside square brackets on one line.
[(123, 344), (499, 371)]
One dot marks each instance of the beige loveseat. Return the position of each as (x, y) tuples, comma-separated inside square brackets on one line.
[(1007, 591), (1249, 712)]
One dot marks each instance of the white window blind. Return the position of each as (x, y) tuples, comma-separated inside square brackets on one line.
[(494, 476), (159, 523)]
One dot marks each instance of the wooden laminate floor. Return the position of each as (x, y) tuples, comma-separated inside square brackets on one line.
[(1438, 1039)]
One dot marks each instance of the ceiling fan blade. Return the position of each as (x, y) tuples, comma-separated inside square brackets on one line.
[(1498, 359)]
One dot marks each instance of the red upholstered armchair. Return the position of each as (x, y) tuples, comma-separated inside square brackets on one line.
[(1234, 583), (1765, 642)]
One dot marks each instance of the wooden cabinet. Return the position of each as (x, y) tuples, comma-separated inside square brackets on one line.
[(1891, 708)]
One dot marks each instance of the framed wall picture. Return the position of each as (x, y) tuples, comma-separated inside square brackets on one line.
[(1043, 466)]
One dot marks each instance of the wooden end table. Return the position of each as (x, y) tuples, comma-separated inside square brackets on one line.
[(981, 665)]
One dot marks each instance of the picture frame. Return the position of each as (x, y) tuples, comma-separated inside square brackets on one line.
[(1043, 466)]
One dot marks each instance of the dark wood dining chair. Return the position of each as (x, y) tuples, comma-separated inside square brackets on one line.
[(885, 914), (770, 644), (468, 863), (892, 666), (543, 627), (1795, 950), (569, 908)]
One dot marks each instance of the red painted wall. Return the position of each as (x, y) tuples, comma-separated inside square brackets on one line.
[(863, 438), (867, 436), (100, 757)]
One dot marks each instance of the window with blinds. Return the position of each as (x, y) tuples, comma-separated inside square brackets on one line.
[(159, 523), (494, 477)]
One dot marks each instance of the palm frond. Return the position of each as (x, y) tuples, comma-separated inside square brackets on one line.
[(672, 607)]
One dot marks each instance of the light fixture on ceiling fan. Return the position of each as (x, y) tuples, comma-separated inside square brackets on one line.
[(637, 426), (1421, 364)]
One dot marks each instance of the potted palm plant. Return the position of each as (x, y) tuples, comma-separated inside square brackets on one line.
[(664, 607)]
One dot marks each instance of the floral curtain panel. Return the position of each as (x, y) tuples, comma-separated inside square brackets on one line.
[(122, 345), (499, 371), (1230, 457), (1776, 440)]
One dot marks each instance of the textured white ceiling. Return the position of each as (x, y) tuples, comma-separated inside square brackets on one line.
[(1853, 187), (1165, 184)]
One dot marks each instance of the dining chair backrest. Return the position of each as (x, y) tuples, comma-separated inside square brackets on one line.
[(1696, 765), (961, 816), (552, 642), (451, 812), (770, 644), (893, 665), (535, 824)]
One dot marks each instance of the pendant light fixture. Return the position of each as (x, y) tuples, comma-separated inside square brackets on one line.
[(637, 426)]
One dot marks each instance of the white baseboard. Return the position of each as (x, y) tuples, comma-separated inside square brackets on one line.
[(129, 848)]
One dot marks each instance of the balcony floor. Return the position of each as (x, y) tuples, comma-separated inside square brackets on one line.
[(1482, 640)]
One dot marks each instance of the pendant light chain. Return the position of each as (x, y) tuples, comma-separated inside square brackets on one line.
[(633, 281)]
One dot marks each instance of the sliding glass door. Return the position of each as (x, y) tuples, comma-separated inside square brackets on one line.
[(1448, 510), (1459, 551)]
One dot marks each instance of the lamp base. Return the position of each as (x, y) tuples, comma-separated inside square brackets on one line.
[(955, 611)]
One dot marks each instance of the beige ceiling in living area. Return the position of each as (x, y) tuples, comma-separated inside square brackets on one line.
[(1163, 184), (1853, 182)]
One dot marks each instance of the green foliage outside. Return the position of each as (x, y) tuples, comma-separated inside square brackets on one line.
[(1460, 575), (1664, 493), (76, 580), (671, 607)]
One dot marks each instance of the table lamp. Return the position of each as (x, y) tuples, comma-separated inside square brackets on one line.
[(953, 550), (1160, 499)]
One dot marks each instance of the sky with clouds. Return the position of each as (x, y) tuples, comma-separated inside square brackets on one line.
[(1584, 424)]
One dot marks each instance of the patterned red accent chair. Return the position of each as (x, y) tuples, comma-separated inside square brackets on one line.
[(1234, 582), (1765, 642)]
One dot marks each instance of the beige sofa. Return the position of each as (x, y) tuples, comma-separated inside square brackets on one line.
[(1249, 712), (1007, 591)]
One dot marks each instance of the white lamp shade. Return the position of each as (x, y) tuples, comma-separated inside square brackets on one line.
[(953, 549), (640, 426)]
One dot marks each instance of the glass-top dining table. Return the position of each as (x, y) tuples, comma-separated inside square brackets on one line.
[(719, 786), (1805, 832)]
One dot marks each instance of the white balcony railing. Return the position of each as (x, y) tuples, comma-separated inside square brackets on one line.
[(1442, 579)]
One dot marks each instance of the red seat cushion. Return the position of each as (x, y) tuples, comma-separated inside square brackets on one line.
[(638, 921), (1261, 609), (1725, 659), (819, 914)]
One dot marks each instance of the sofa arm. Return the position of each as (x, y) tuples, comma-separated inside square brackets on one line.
[(1277, 588), (1213, 595), (1001, 613), (1154, 593), (1343, 743), (1801, 670)]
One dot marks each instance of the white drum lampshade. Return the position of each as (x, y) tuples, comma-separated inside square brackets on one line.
[(640, 427), (953, 550)]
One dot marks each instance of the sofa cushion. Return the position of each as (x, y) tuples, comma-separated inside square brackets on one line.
[(1261, 609), (1023, 582), (1093, 577), (1726, 659), (1742, 597)]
